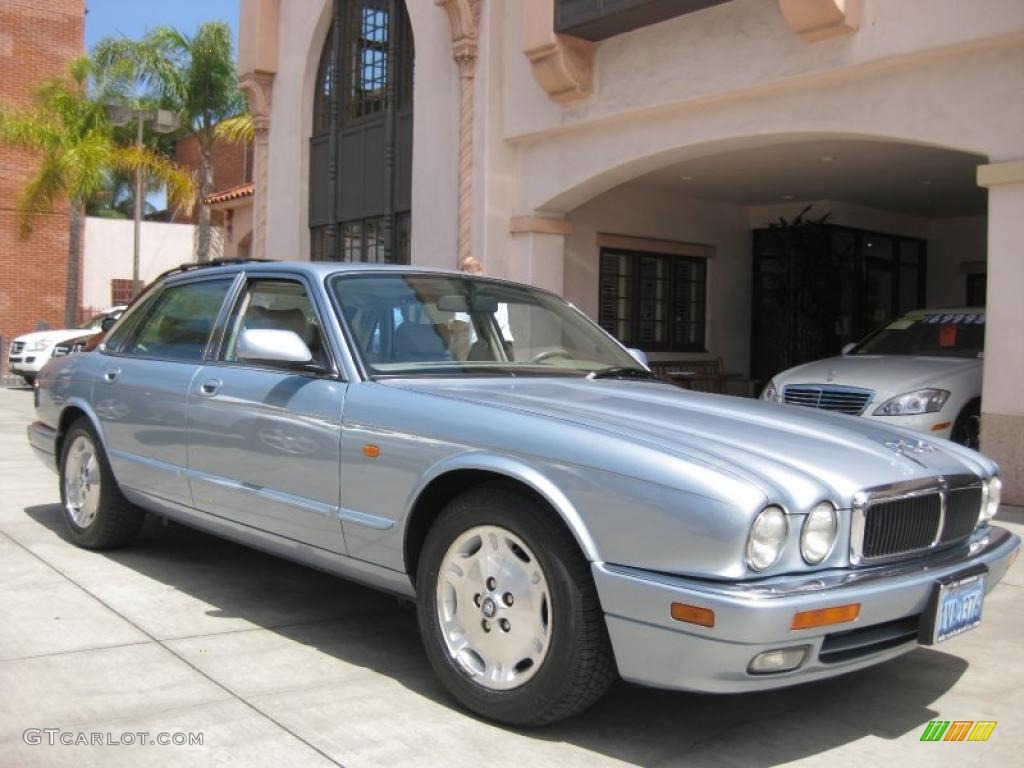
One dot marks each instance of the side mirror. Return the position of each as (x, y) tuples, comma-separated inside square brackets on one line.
[(847, 348), (107, 323), (640, 356), (270, 345)]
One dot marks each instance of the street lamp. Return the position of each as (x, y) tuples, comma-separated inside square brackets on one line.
[(162, 121)]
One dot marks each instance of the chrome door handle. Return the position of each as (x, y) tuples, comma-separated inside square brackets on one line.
[(111, 376), (211, 387)]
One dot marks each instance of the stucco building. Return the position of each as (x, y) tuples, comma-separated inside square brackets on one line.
[(629, 155), (37, 40)]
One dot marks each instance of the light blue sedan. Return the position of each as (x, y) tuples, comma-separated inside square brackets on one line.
[(559, 516)]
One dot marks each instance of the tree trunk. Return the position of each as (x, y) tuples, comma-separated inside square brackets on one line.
[(205, 190), (74, 264)]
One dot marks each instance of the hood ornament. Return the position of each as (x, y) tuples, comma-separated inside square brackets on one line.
[(831, 376), (910, 449)]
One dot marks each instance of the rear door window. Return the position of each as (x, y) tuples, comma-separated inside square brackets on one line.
[(178, 326)]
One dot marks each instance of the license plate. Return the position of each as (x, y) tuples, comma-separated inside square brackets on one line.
[(958, 608)]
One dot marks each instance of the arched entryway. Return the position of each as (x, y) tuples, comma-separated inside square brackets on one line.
[(360, 185), (683, 258)]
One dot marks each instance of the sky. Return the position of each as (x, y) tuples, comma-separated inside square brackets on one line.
[(132, 18)]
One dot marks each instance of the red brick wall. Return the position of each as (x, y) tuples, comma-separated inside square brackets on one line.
[(37, 39), (232, 164)]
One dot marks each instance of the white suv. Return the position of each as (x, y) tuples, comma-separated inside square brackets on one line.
[(921, 371), (30, 352)]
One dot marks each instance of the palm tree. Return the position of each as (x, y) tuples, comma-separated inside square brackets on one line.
[(77, 151), (195, 76)]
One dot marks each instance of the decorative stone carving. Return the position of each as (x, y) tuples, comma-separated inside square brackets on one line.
[(816, 20), (562, 65), (464, 18)]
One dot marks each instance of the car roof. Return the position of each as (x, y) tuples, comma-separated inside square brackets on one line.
[(317, 270)]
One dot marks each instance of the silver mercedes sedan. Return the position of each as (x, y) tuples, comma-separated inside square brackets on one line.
[(559, 516)]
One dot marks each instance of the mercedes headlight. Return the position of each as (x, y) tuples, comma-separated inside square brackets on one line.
[(819, 533), (991, 495), (767, 537), (913, 403), (38, 346), (771, 393)]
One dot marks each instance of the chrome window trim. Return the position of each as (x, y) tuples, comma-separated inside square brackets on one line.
[(863, 500)]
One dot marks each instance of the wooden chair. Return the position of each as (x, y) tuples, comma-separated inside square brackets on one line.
[(704, 375)]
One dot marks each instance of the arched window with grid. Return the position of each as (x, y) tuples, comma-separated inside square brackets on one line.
[(360, 196)]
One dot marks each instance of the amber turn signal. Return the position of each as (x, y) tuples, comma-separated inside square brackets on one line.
[(371, 451), (822, 617), (940, 426), (691, 614)]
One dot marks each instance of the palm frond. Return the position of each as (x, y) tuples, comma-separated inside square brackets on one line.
[(180, 184), (238, 129), (38, 195), (27, 129)]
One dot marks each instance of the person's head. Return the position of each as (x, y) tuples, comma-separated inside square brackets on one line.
[(471, 266)]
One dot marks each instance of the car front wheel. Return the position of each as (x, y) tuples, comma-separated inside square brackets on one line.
[(508, 611), (96, 513)]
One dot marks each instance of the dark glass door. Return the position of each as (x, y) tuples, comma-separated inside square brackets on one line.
[(819, 286)]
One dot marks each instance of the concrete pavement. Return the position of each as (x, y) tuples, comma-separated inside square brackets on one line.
[(276, 664)]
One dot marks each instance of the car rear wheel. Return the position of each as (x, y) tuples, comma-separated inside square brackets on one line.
[(967, 427), (96, 513), (508, 611)]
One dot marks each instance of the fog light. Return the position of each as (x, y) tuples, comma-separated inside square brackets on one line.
[(781, 660)]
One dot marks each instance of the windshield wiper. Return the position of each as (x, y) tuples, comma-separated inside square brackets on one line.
[(623, 372)]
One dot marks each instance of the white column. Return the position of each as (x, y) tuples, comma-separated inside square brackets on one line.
[(1002, 404), (537, 252)]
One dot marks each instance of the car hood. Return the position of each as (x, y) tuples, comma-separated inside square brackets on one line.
[(886, 375), (789, 452), (54, 336)]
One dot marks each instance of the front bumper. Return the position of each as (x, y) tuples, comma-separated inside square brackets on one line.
[(28, 363), (653, 649)]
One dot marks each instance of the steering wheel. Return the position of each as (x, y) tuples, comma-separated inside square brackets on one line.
[(550, 353)]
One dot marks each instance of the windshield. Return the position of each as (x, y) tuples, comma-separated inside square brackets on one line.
[(407, 324), (928, 334)]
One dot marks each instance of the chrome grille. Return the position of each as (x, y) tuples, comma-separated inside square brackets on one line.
[(963, 506), (901, 525), (828, 398), (888, 523), (17, 346)]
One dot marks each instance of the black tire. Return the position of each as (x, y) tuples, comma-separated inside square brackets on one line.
[(116, 522), (29, 379), (967, 427), (578, 666)]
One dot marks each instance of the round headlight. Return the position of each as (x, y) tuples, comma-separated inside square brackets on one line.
[(819, 533), (767, 536), (992, 494)]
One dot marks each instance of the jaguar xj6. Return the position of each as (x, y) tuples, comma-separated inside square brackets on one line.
[(559, 516)]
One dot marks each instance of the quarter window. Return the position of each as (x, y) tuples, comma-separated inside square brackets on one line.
[(653, 301), (178, 326)]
